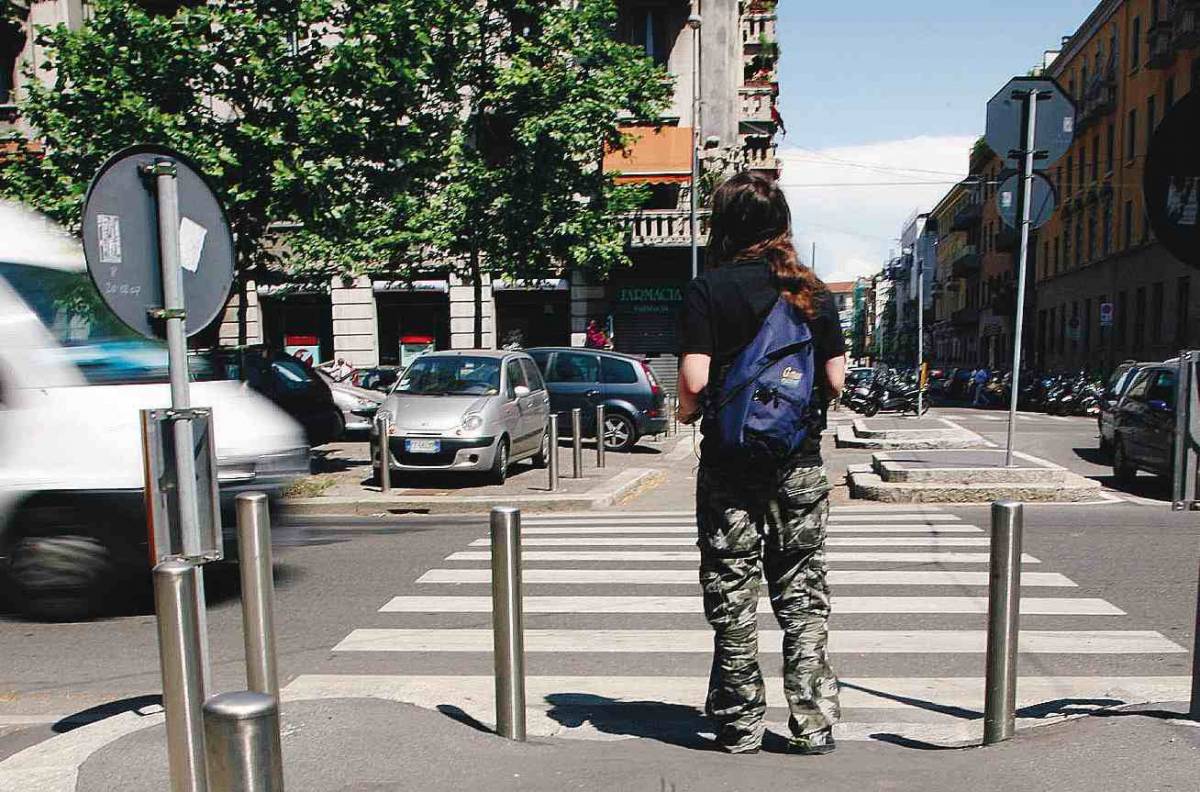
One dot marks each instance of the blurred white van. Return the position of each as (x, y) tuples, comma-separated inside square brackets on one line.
[(73, 380)]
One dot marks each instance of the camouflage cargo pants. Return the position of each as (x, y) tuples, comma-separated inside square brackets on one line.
[(776, 525)]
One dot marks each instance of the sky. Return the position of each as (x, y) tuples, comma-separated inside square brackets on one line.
[(878, 92)]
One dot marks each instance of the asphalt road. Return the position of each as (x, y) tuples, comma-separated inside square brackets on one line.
[(1131, 559)]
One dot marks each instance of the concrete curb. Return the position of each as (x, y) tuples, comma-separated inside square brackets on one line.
[(624, 486)]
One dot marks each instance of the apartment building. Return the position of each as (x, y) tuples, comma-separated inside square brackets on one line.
[(372, 319), (1126, 66)]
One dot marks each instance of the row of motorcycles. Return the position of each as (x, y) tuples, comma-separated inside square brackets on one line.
[(886, 392), (1062, 394)]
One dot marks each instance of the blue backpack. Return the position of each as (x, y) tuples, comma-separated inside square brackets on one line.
[(763, 407)]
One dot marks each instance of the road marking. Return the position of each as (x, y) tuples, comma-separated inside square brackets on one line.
[(690, 528), (769, 641), (1059, 418), (665, 541), (1030, 606), (689, 577), (693, 556)]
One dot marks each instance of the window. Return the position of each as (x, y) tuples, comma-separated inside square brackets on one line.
[(541, 357), (1070, 174), (1183, 296), (1066, 259), (533, 376), (1139, 318), (1169, 94), (1151, 118), (1053, 336), (1091, 236), (1128, 226), (1106, 230), (1162, 387), (646, 27), (1057, 254), (1096, 158), (614, 371), (1074, 326), (1087, 324), (1156, 312), (574, 367), (1079, 243), (1135, 44), (1110, 147), (1131, 135), (12, 41), (1062, 329), (515, 376), (1137, 391), (1122, 308)]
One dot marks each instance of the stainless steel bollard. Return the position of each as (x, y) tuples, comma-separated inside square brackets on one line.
[(258, 592), (242, 732), (600, 432), (577, 442), (508, 630), (182, 672), (1004, 610), (383, 427), (552, 457), (674, 415)]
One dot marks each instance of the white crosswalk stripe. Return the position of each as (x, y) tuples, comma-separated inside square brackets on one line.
[(594, 596)]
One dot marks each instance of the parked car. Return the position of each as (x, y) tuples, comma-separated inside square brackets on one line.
[(358, 405), (634, 402), (1144, 423), (291, 384), (376, 378), (73, 381), (468, 411), (1118, 383)]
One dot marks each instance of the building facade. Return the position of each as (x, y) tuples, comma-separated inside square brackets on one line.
[(376, 319), (1126, 66)]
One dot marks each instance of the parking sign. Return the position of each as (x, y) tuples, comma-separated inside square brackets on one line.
[(1106, 314)]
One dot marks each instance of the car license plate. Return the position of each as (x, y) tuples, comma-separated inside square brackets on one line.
[(423, 446)]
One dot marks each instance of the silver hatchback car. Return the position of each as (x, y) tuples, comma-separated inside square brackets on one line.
[(468, 410)]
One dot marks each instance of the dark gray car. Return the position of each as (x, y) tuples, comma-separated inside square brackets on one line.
[(634, 402)]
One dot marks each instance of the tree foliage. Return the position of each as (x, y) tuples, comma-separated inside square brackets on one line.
[(392, 134)]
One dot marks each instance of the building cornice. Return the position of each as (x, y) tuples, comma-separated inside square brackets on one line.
[(1086, 32)]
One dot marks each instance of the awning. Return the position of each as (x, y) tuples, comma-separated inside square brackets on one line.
[(411, 286), (654, 155), (551, 284)]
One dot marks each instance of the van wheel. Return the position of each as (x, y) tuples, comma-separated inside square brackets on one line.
[(1123, 470), (619, 434), (499, 471), (62, 578)]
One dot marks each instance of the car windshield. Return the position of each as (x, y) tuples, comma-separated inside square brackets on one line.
[(435, 375), (89, 335)]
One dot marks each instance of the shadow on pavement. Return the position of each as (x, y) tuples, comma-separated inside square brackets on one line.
[(674, 724), (137, 704)]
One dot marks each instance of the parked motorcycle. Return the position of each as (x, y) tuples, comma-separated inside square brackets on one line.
[(896, 397)]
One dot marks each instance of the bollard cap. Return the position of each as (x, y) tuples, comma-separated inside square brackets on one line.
[(241, 705), (251, 497)]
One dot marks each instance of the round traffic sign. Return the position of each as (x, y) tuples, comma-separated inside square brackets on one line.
[(1054, 127), (1041, 208), (120, 241), (1172, 181)]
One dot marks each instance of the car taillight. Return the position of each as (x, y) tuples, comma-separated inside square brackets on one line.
[(655, 389)]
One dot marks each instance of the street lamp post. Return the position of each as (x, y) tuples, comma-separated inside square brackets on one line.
[(920, 327), (694, 23)]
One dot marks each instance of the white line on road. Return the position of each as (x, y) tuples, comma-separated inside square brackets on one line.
[(690, 528), (667, 541), (694, 556), (701, 641), (689, 577), (1030, 606)]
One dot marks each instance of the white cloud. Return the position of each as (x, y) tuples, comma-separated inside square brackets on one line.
[(856, 227)]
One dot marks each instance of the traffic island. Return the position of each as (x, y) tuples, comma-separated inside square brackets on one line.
[(966, 476), (893, 433)]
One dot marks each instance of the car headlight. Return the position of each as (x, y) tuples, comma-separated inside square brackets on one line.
[(472, 422)]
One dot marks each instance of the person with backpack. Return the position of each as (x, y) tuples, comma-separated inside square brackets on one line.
[(761, 356)]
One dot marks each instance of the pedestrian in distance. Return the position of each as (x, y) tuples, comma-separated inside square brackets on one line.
[(596, 338), (981, 378), (762, 354)]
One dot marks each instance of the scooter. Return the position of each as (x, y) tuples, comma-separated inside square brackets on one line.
[(899, 399)]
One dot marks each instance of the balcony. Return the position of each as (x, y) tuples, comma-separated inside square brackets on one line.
[(1186, 21), (757, 105), (1160, 44), (759, 157), (966, 262), (965, 316), (664, 228), (1099, 99), (757, 27), (967, 217)]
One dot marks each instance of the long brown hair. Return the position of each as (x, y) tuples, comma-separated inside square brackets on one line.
[(751, 220)]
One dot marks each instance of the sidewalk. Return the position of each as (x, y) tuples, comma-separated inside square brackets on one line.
[(370, 744), (343, 483)]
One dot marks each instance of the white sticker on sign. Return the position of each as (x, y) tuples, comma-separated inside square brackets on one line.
[(108, 238), (1068, 125), (1006, 200), (191, 243)]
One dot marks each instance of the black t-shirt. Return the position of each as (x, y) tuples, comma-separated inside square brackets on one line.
[(723, 310)]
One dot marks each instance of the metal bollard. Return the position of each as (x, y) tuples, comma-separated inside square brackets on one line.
[(383, 426), (182, 673), (242, 732), (600, 432), (577, 442), (1004, 609), (674, 420), (508, 630), (552, 457), (258, 592)]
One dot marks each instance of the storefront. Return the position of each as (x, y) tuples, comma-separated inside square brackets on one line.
[(297, 319), (411, 313), (532, 313)]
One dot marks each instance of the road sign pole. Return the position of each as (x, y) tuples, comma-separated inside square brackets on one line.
[(920, 264), (1026, 199)]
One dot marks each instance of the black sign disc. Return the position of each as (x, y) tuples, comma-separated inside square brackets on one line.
[(1172, 181), (120, 241)]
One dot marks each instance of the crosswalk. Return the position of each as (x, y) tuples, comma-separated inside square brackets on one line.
[(617, 646)]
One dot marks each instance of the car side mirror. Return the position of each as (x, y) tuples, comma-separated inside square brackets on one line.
[(1158, 405), (521, 391)]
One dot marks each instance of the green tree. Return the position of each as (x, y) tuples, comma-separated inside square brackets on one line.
[(523, 193), (324, 113)]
